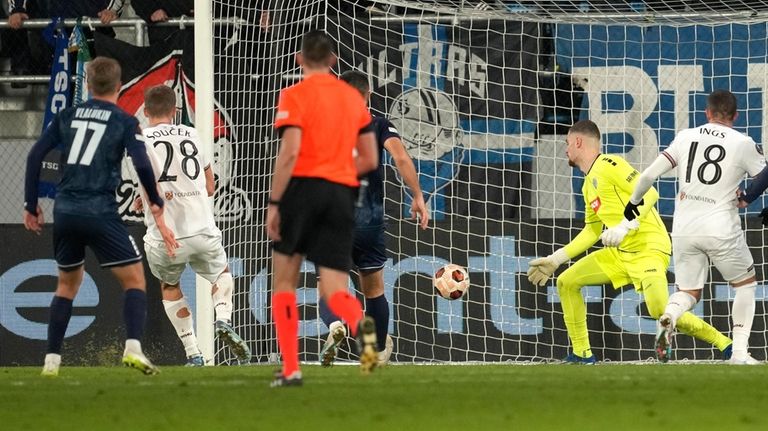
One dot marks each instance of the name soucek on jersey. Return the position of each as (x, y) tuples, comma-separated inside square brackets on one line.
[(179, 163), (370, 213), (606, 190), (710, 162)]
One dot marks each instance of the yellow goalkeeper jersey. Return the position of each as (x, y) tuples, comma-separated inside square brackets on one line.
[(606, 190)]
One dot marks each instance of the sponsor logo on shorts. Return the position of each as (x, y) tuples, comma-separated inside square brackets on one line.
[(168, 196), (650, 270), (595, 204)]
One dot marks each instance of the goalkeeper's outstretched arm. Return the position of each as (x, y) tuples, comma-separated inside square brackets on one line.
[(541, 269)]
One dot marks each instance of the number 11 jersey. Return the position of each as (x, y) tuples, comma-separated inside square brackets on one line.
[(179, 163), (710, 162)]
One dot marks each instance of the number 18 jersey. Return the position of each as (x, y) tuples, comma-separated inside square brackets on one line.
[(710, 162), (179, 163)]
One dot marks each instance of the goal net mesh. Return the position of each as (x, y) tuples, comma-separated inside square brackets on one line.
[(482, 93)]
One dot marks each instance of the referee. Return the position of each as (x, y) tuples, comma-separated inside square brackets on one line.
[(326, 143)]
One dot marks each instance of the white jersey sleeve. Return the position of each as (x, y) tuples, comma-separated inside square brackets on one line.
[(753, 159), (178, 161)]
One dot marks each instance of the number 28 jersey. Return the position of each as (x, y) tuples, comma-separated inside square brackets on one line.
[(710, 162), (179, 163)]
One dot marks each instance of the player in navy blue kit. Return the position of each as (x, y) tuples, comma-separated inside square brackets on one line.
[(370, 250), (93, 138)]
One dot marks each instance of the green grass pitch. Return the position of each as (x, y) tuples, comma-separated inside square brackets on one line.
[(398, 397)]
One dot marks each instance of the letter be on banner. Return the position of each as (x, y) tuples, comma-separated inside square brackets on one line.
[(58, 99)]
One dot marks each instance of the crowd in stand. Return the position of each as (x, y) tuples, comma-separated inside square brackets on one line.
[(31, 55)]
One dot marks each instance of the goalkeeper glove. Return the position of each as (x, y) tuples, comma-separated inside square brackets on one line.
[(612, 237), (541, 269), (631, 211)]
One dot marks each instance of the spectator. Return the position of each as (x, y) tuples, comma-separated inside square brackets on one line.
[(154, 11), (29, 53)]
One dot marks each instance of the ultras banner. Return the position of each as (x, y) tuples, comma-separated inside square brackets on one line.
[(465, 101)]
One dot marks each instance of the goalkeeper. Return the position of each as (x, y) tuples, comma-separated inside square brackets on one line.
[(636, 252)]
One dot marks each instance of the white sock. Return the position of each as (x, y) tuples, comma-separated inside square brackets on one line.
[(222, 297), (185, 326), (678, 303), (132, 346), (742, 314)]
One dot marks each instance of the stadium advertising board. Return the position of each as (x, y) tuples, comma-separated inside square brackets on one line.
[(643, 83), (501, 317)]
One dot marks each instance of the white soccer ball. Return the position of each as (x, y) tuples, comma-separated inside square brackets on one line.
[(451, 281)]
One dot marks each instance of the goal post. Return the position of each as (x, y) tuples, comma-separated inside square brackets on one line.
[(482, 93)]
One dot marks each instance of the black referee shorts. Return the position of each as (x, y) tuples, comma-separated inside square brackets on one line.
[(317, 220)]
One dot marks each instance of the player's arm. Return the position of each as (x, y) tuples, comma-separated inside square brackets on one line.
[(407, 171), (367, 155), (754, 164), (541, 269), (134, 145), (644, 196), (33, 216), (210, 181)]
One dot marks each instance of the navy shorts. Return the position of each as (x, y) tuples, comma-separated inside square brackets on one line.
[(317, 221), (369, 252), (106, 236)]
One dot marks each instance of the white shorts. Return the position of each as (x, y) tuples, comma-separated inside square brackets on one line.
[(204, 253), (692, 255)]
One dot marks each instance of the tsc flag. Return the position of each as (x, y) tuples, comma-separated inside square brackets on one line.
[(58, 98), (464, 100)]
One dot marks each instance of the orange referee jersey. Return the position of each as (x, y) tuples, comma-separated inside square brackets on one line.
[(330, 114)]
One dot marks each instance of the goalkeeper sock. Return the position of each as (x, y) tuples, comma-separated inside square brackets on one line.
[(285, 314), (181, 318), (378, 309), (679, 302), (61, 311), (134, 313), (347, 307), (222, 297), (742, 314)]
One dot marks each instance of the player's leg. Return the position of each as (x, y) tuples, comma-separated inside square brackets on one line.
[(589, 270), (179, 314), (650, 277), (285, 313), (334, 291), (377, 306), (131, 278), (60, 313), (330, 248), (169, 271), (734, 261), (209, 260), (337, 332), (370, 256), (116, 250), (69, 250)]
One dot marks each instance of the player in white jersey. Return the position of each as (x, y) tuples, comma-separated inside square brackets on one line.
[(185, 180), (710, 161)]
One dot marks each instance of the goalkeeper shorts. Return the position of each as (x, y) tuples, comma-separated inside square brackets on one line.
[(624, 268), (692, 255)]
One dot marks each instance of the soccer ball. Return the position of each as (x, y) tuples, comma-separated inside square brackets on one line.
[(451, 281)]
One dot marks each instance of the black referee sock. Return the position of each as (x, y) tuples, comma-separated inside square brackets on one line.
[(135, 313), (61, 311), (378, 309)]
